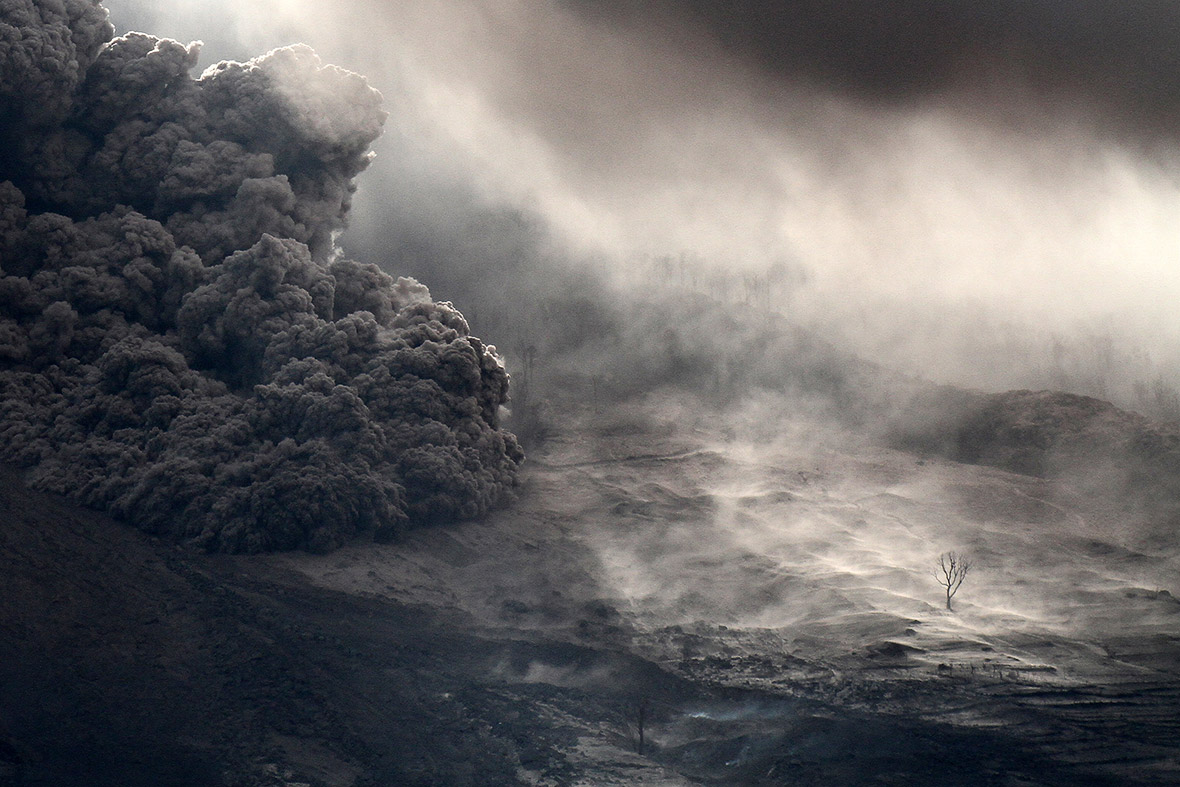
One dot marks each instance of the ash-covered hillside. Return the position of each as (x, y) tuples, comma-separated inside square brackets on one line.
[(1089, 444), (181, 343)]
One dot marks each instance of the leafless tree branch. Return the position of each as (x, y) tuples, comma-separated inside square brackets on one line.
[(953, 569)]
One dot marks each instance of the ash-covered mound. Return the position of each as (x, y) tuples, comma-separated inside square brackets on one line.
[(1039, 432), (1050, 434), (180, 341)]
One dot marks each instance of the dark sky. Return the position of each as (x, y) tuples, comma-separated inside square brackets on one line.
[(1122, 56)]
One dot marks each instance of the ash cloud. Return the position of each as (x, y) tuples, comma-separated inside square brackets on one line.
[(979, 195), (1117, 56), (181, 341)]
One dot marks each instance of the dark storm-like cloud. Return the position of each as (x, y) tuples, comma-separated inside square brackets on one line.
[(181, 342), (538, 151), (1121, 56)]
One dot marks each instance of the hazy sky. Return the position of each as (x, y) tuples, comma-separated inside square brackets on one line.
[(1015, 160)]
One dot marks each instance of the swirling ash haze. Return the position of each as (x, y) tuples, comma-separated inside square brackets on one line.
[(983, 193), (181, 341)]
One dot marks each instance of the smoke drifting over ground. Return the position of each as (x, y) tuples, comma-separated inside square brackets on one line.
[(181, 341)]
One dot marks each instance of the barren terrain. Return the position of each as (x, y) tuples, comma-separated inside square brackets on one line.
[(764, 600)]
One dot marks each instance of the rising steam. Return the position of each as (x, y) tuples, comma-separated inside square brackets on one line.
[(181, 342)]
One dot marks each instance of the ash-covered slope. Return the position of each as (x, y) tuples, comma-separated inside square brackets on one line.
[(125, 661), (765, 597), (793, 566), (180, 341), (1121, 456)]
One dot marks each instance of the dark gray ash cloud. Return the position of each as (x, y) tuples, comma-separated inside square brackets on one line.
[(976, 192), (181, 341), (1120, 56)]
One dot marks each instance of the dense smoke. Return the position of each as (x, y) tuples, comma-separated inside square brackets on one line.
[(980, 194), (627, 194), (181, 342), (1115, 58)]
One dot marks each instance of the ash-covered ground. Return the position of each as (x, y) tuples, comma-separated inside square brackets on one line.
[(767, 607)]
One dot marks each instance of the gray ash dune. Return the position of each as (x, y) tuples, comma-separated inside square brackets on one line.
[(1089, 443), (181, 342)]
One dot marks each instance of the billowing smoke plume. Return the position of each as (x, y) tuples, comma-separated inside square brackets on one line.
[(180, 341), (978, 193)]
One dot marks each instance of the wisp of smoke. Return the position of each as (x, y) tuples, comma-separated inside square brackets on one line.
[(181, 342)]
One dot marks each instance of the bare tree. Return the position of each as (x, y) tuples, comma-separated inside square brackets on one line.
[(644, 710), (953, 568)]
